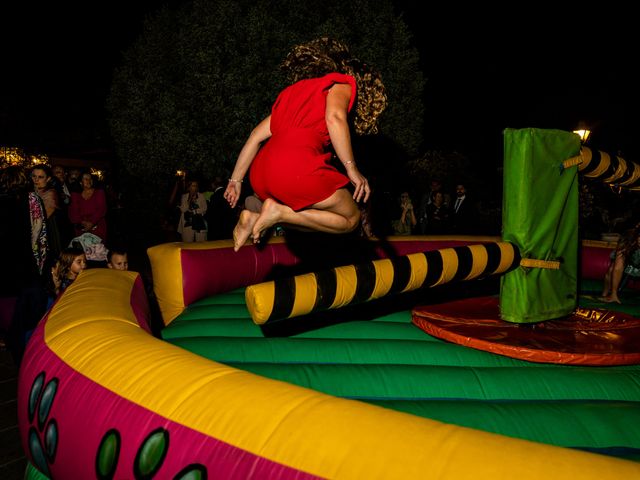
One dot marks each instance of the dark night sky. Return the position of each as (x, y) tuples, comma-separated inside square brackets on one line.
[(57, 80), (534, 68)]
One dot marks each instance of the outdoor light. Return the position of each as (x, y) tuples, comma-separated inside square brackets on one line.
[(99, 174), (41, 159), (583, 134), (11, 156)]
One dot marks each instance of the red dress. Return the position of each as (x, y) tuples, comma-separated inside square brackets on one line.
[(294, 166)]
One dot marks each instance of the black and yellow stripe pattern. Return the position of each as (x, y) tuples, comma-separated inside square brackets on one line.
[(352, 284), (609, 168)]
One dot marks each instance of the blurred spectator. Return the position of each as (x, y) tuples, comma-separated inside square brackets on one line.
[(88, 209), (464, 213), (73, 180), (438, 216), (42, 178), (63, 187), (64, 194), (193, 207), (23, 239), (427, 199), (405, 220)]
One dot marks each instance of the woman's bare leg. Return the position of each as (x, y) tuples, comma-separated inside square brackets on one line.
[(616, 278), (606, 288), (336, 214), (243, 228)]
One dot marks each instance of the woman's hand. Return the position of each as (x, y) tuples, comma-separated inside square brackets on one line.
[(232, 193), (362, 189)]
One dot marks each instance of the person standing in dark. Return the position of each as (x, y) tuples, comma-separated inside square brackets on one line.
[(405, 220), (61, 185), (438, 215), (88, 209), (193, 206), (463, 212), (425, 202), (23, 239), (43, 185)]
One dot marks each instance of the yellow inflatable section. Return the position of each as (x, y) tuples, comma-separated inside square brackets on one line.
[(221, 411)]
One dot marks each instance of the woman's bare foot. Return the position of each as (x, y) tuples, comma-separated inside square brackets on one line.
[(271, 214), (243, 228), (611, 299)]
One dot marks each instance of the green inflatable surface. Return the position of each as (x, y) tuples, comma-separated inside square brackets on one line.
[(374, 353)]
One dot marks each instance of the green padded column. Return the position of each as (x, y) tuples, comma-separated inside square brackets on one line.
[(540, 216)]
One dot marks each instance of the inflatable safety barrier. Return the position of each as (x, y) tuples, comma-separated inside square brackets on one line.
[(303, 294), (100, 397)]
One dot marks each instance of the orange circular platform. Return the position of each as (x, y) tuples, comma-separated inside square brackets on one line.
[(586, 337)]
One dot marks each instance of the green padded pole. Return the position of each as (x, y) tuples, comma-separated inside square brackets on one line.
[(540, 216)]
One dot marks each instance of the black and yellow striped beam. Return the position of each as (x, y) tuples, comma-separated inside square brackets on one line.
[(609, 168), (351, 284)]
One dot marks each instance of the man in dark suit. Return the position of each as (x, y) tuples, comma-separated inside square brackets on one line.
[(464, 214)]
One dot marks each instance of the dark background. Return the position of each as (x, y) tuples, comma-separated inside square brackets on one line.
[(486, 71)]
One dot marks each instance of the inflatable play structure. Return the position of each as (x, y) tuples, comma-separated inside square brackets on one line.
[(311, 357)]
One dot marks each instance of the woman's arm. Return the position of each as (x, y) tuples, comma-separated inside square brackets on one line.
[(50, 200), (202, 204), (184, 202), (249, 151), (408, 210), (413, 217), (336, 114)]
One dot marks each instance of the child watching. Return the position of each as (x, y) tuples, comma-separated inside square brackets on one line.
[(70, 263), (118, 260)]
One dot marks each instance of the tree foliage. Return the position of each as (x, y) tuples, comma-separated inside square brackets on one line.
[(194, 84)]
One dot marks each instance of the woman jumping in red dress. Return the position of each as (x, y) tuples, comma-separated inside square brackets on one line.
[(290, 151)]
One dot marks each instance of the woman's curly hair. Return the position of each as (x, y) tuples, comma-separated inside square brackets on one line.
[(326, 55), (13, 179)]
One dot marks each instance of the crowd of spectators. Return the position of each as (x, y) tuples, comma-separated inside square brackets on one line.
[(433, 211), (54, 224), (47, 214)]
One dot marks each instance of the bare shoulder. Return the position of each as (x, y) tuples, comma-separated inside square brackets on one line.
[(340, 89), (339, 95)]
